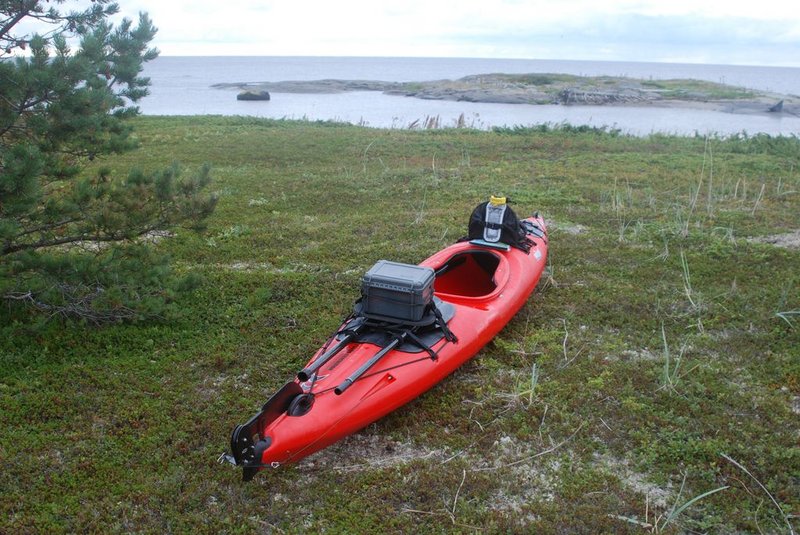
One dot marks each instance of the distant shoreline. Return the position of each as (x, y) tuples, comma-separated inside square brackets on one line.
[(546, 88)]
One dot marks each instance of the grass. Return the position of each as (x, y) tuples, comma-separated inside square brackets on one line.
[(547, 88), (697, 89), (676, 89), (578, 417), (683, 89)]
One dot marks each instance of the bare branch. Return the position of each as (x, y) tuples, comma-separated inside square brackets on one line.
[(24, 11), (76, 307), (63, 240)]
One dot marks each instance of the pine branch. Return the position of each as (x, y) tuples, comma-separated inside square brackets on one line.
[(60, 107), (63, 240), (16, 19), (76, 308)]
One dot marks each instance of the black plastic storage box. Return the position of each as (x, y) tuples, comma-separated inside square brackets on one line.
[(398, 291)]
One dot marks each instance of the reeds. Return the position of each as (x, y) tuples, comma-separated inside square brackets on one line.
[(787, 316)]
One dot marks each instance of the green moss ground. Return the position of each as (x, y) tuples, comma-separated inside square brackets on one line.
[(655, 340)]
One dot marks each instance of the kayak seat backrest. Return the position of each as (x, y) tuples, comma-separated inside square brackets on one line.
[(469, 274)]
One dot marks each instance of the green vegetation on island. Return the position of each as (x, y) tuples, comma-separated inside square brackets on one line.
[(651, 384)]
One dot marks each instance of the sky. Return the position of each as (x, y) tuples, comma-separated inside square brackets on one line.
[(765, 32)]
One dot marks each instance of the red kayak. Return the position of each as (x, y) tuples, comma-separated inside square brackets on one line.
[(374, 364)]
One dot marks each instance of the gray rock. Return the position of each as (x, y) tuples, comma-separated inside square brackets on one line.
[(777, 108), (253, 94)]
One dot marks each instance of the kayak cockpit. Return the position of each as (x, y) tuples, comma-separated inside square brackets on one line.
[(471, 274)]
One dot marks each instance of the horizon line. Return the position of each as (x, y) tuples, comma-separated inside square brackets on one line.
[(472, 58)]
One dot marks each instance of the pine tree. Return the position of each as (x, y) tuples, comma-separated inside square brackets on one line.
[(71, 242)]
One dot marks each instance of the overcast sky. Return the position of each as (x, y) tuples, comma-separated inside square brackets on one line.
[(765, 32)]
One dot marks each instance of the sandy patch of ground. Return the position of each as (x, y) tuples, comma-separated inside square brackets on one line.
[(788, 240), (365, 451), (566, 226), (636, 482), (261, 267), (91, 246), (643, 354)]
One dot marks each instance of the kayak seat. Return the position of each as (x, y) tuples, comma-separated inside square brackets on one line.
[(468, 274)]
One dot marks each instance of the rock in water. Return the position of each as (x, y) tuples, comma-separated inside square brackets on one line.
[(253, 94), (777, 108)]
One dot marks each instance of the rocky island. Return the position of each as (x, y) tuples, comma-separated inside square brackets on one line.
[(562, 89)]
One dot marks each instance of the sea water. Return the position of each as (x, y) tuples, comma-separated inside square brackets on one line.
[(183, 86)]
